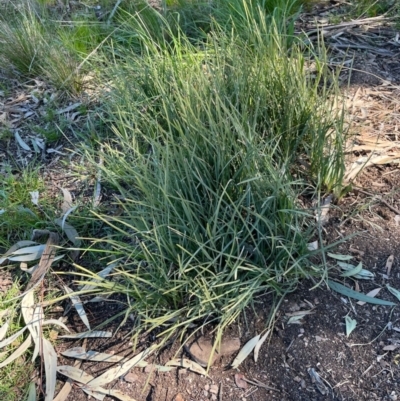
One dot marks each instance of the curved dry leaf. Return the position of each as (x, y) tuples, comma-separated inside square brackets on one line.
[(31, 392), (76, 301), (245, 351), (392, 347), (70, 231), (16, 246), (66, 214), (18, 352), (187, 364), (50, 368), (340, 257), (36, 249), (259, 344), (4, 329), (91, 393), (67, 202), (55, 322), (395, 292), (12, 338), (27, 254), (75, 374), (389, 264), (21, 142), (102, 274), (28, 307), (120, 370), (88, 334), (93, 356), (97, 392), (35, 330)]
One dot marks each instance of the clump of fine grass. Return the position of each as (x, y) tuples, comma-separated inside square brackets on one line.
[(206, 149), (32, 45)]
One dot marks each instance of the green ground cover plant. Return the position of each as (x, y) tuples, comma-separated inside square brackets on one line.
[(219, 128), (215, 142)]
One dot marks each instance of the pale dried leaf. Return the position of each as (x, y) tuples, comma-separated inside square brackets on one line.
[(245, 351), (101, 274), (35, 329), (371, 294), (395, 292), (79, 353), (392, 347), (389, 264), (70, 231), (340, 257), (69, 108), (295, 319), (50, 368), (78, 306), (187, 364), (89, 334), (3, 330), (12, 338), (120, 370), (259, 344), (35, 197), (28, 307), (55, 322), (91, 393), (75, 374), (97, 392), (16, 246), (240, 382), (21, 142), (18, 352), (67, 202), (350, 325), (312, 246)]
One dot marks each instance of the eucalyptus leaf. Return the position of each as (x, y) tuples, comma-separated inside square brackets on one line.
[(395, 292), (245, 351), (18, 352), (350, 325), (50, 368), (340, 257), (187, 364), (348, 292)]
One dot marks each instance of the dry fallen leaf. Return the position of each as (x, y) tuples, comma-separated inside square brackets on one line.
[(240, 382), (389, 264), (391, 347)]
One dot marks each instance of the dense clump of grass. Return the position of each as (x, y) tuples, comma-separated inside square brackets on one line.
[(33, 45), (206, 149)]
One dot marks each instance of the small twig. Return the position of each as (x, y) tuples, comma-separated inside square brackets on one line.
[(379, 197), (259, 384)]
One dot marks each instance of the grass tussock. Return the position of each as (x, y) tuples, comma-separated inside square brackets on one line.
[(214, 143)]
